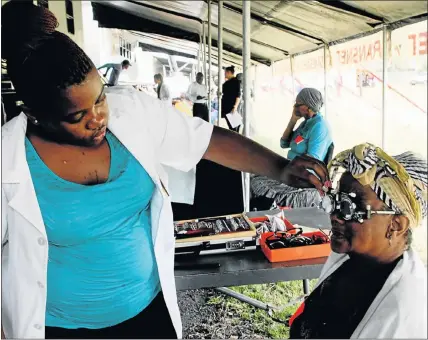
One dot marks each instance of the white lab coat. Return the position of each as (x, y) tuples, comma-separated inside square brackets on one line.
[(157, 135), (399, 311), (195, 89)]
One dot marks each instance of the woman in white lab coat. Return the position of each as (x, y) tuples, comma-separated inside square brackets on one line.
[(87, 226), (373, 285)]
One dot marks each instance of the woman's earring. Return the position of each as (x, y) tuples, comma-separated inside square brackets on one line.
[(36, 121)]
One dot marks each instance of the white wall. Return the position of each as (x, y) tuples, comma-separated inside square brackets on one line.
[(103, 46), (57, 7)]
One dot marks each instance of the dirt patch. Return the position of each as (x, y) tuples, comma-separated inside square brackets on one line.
[(204, 320)]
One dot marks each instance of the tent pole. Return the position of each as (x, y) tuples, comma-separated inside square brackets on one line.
[(325, 80), (199, 55), (220, 58), (205, 54), (384, 82), (246, 20), (293, 90), (209, 59)]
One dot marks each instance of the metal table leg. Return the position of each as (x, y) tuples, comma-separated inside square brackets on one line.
[(305, 286)]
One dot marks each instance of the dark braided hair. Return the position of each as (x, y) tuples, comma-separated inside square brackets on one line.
[(231, 69), (40, 60)]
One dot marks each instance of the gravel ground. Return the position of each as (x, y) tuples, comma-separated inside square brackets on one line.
[(202, 320)]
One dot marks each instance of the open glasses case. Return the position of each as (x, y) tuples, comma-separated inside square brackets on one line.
[(299, 252), (214, 235)]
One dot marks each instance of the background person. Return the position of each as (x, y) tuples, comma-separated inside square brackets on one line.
[(313, 136), (162, 89), (374, 285), (87, 223), (231, 95), (116, 70), (197, 93)]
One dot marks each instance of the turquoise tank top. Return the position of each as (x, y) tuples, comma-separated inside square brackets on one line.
[(101, 269)]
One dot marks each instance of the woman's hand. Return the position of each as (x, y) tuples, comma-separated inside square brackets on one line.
[(286, 136), (239, 153), (294, 117), (296, 173)]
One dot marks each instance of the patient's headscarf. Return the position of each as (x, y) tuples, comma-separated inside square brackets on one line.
[(311, 97), (399, 181)]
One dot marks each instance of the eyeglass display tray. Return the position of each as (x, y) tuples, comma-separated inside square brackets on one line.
[(295, 253), (218, 243)]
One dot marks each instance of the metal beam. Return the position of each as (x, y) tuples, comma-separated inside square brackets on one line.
[(246, 55), (159, 49), (267, 22), (209, 60), (205, 52), (199, 56), (181, 68), (292, 76), (325, 81), (385, 55), (254, 41), (171, 67), (174, 63), (220, 58), (341, 5)]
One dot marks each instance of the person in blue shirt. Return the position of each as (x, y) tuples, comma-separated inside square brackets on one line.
[(313, 136)]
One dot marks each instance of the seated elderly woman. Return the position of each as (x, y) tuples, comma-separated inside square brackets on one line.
[(312, 138), (373, 285)]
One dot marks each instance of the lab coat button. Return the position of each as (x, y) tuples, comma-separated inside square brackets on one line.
[(41, 241), (37, 326)]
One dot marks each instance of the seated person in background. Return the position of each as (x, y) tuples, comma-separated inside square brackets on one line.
[(374, 284), (313, 136)]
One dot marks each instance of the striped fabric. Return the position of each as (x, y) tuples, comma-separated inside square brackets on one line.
[(400, 181)]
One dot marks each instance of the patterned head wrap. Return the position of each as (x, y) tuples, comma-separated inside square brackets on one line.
[(312, 98), (400, 181)]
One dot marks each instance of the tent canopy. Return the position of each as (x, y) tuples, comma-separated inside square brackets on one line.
[(278, 28)]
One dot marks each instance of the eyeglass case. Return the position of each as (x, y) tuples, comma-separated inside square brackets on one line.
[(219, 243)]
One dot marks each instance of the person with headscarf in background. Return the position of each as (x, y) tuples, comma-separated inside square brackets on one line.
[(374, 284), (313, 136)]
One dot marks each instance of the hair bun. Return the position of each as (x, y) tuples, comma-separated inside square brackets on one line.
[(24, 25)]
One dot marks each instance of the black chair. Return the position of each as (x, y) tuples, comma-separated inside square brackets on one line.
[(329, 155)]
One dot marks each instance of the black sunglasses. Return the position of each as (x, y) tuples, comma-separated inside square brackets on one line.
[(283, 239)]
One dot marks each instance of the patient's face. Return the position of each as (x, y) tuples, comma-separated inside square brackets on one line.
[(367, 238)]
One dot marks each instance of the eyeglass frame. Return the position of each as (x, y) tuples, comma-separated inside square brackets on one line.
[(336, 198)]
